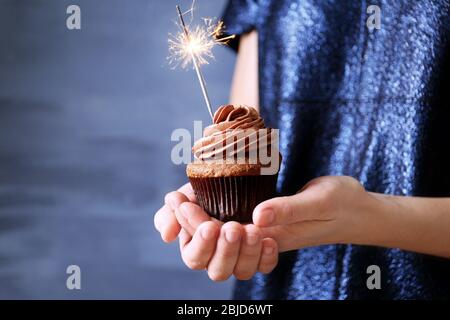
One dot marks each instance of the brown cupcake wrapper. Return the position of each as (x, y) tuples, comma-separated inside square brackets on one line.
[(233, 198)]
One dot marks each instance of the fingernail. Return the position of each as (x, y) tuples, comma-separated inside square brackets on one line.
[(232, 236), (207, 233), (268, 216), (252, 239), (268, 250)]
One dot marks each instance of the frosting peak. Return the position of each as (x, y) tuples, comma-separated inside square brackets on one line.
[(231, 117), (239, 115), (235, 129)]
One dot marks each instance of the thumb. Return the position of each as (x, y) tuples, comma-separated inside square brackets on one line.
[(285, 210)]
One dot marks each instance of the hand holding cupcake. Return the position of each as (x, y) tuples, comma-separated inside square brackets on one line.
[(236, 165), (222, 249), (236, 168)]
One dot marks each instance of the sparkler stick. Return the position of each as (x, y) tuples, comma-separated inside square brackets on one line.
[(196, 65)]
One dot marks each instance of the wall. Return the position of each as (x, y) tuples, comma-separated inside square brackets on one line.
[(85, 124)]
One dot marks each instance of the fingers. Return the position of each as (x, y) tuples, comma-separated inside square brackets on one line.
[(188, 214), (207, 244), (187, 190), (223, 261), (269, 256), (165, 220), (273, 212), (166, 223), (191, 216), (196, 251), (249, 254), (232, 249), (175, 198), (285, 210)]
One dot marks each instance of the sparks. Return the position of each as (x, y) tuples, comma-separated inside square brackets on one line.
[(194, 45), (202, 39)]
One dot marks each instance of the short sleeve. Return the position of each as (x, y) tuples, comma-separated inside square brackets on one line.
[(239, 17)]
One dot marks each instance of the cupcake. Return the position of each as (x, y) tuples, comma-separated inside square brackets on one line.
[(236, 164)]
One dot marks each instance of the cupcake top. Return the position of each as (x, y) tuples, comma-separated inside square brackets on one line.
[(238, 132)]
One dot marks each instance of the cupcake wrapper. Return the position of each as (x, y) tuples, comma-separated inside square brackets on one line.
[(233, 198)]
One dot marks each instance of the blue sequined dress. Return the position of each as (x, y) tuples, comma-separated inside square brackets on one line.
[(372, 104)]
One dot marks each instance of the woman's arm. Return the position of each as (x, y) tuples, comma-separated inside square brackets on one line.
[(412, 223), (244, 88), (337, 209)]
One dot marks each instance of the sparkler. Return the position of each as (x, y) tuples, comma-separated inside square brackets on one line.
[(196, 45)]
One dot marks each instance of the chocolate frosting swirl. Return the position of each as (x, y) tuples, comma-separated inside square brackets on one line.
[(236, 131)]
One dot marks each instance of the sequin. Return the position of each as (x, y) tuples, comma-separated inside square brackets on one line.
[(372, 104)]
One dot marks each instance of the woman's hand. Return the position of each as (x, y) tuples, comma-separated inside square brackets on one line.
[(206, 243), (338, 210), (327, 210)]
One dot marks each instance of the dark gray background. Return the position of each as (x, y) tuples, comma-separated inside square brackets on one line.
[(85, 124)]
